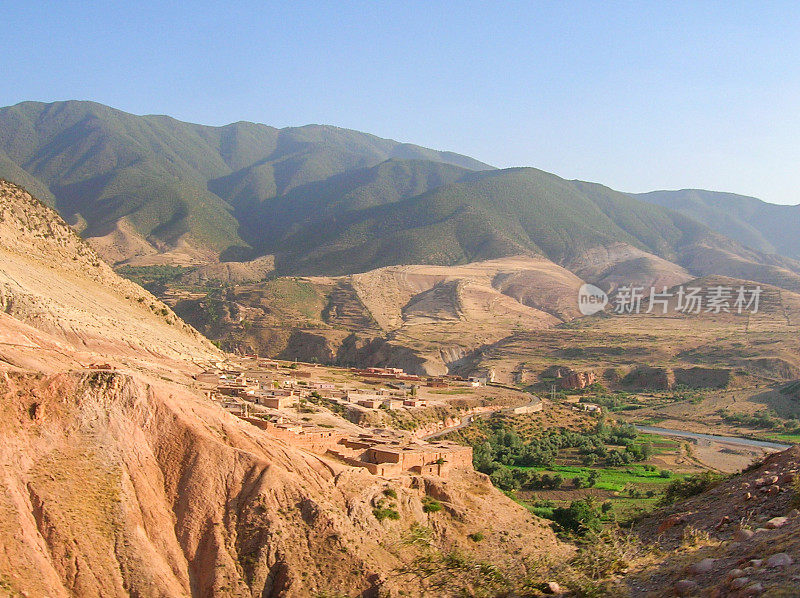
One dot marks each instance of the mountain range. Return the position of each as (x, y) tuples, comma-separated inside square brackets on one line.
[(324, 200), (126, 474)]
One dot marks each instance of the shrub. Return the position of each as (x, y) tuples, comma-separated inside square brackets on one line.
[(690, 486), (606, 553), (579, 517), (589, 459), (615, 458), (431, 505), (796, 492), (390, 492), (476, 536), (385, 513)]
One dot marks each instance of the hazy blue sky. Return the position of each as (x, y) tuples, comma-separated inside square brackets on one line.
[(636, 95)]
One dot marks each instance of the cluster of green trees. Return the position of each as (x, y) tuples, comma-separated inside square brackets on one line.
[(503, 449)]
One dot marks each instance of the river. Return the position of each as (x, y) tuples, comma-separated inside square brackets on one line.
[(714, 438)]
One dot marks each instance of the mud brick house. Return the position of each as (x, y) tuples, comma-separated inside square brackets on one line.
[(392, 458)]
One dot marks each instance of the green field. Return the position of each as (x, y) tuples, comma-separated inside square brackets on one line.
[(661, 445), (614, 479)]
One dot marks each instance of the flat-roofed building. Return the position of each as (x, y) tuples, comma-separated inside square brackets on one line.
[(277, 402), (415, 403), (374, 403)]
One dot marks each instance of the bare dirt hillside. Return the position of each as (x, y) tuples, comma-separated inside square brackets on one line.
[(51, 279), (619, 264), (418, 317), (762, 346), (479, 291)]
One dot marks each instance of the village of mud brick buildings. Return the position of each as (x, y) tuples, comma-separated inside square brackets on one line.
[(268, 394)]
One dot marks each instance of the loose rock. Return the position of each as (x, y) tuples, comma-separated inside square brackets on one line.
[(753, 589), (739, 583), (685, 587), (703, 566), (776, 522), (552, 587), (670, 522), (743, 535), (780, 559)]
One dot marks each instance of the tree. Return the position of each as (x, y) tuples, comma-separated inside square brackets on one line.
[(647, 450), (532, 481), (615, 458), (503, 478), (521, 476), (580, 517), (482, 457)]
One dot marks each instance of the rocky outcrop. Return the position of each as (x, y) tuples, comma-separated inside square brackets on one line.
[(311, 346), (650, 377), (661, 378), (380, 352), (567, 378), (573, 380)]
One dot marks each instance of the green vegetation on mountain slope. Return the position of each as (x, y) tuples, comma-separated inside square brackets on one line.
[(267, 222), (763, 226), (169, 179), (487, 215)]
